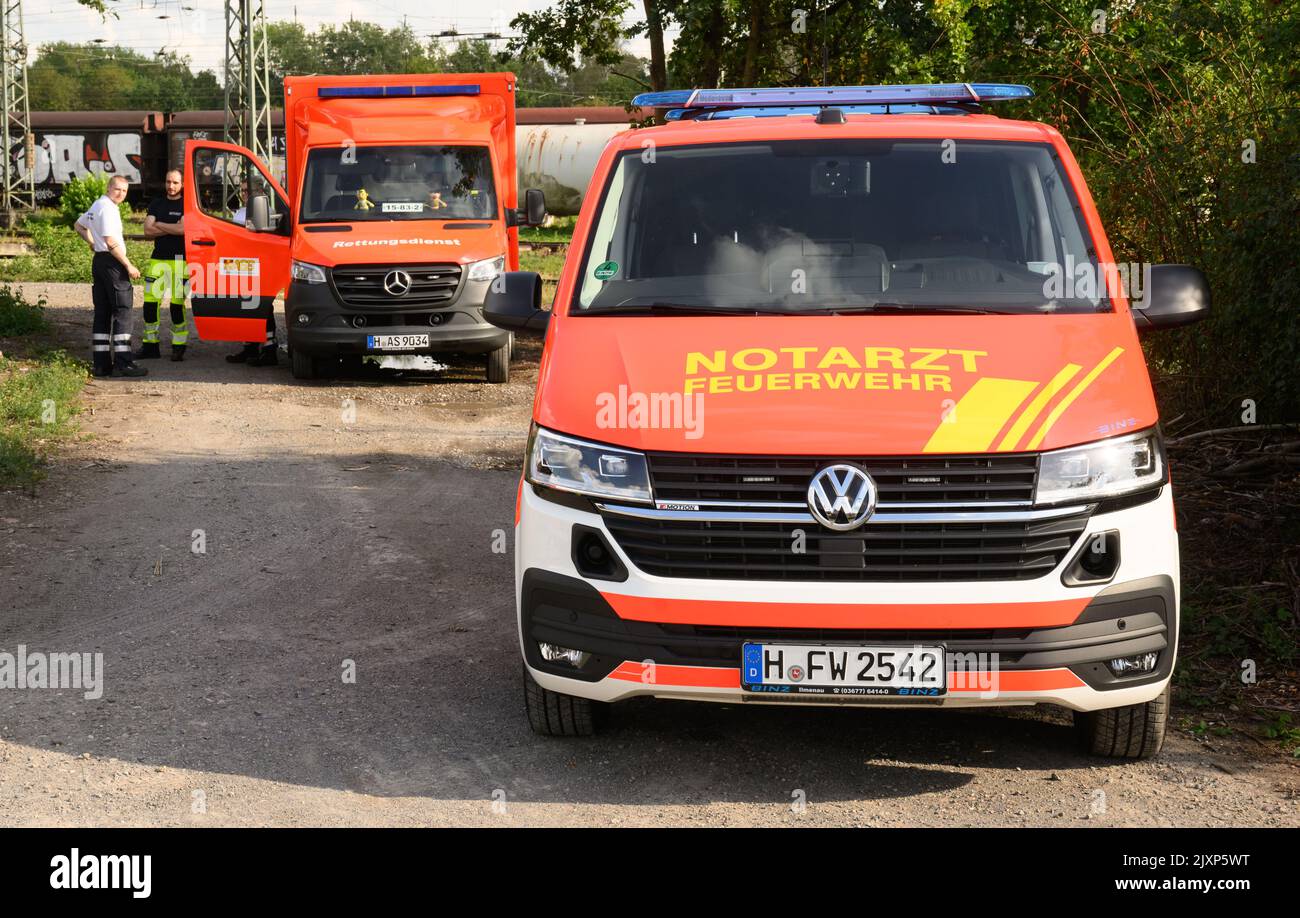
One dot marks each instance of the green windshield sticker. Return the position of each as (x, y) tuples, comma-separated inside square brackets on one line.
[(606, 270)]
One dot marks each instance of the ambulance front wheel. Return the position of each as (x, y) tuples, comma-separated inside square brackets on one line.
[(1134, 731), (557, 714), (305, 366), (498, 364)]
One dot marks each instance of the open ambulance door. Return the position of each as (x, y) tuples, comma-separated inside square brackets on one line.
[(235, 272)]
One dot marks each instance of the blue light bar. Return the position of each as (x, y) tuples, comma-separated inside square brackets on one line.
[(917, 94), (390, 92), (896, 108)]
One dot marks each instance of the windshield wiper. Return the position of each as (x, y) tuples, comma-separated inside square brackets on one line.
[(700, 309), (913, 308)]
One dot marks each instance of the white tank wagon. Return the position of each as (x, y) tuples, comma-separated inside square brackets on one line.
[(557, 148)]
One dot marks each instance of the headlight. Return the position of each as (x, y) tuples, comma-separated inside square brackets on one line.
[(487, 269), (569, 464), (1105, 469), (308, 274)]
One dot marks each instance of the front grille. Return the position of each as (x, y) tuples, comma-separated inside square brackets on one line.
[(363, 285), (911, 551), (912, 480)]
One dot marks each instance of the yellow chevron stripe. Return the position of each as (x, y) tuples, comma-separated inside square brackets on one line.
[(979, 415), (1036, 407), (1074, 393)]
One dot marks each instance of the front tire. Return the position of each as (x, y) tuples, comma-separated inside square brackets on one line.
[(498, 364), (304, 365), (1135, 731), (556, 714)]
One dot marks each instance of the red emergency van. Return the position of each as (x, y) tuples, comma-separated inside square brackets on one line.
[(397, 211), (842, 402)]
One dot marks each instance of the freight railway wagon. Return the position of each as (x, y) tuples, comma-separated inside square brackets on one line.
[(556, 148)]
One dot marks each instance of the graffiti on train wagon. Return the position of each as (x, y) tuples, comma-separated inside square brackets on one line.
[(63, 157)]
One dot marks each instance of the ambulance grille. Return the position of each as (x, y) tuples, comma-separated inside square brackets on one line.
[(363, 285), (901, 552), (911, 481)]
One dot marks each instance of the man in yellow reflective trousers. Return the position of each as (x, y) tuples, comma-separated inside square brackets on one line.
[(164, 275)]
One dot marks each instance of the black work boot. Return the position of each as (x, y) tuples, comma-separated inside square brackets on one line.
[(178, 353), (148, 351), (129, 369), (245, 354), (266, 357)]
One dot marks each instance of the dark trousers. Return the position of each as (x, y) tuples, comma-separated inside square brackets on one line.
[(111, 331), (271, 342)]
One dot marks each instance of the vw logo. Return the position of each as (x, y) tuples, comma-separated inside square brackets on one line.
[(841, 497), (397, 283)]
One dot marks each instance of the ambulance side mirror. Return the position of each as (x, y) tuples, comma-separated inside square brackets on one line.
[(533, 213), (259, 214), (1176, 295), (514, 302)]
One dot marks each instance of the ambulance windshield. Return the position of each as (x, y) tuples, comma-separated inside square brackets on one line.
[(398, 183), (833, 226)]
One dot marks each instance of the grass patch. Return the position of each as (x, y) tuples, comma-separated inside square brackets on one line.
[(60, 255), (560, 230), (37, 405), (18, 316), (547, 264)]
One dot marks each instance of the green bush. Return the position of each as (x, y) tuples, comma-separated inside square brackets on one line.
[(80, 193), (18, 316)]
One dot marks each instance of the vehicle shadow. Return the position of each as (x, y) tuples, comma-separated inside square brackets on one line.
[(235, 660)]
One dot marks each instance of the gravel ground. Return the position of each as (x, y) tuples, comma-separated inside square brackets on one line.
[(371, 540)]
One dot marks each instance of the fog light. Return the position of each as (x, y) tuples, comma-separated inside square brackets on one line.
[(554, 653), (1140, 663), (303, 318), (358, 321)]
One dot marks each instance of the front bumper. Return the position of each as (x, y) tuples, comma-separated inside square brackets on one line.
[(681, 638), (330, 331)]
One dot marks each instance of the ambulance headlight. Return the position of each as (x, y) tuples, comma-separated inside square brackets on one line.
[(570, 464), (307, 273), (1106, 469), (487, 269)]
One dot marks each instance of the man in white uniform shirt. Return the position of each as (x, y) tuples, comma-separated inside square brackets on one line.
[(111, 276)]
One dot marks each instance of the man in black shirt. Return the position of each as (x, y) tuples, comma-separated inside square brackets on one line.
[(164, 275)]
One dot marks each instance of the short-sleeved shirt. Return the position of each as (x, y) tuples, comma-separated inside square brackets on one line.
[(165, 210), (103, 220)]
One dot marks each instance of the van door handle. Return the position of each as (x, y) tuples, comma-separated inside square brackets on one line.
[(205, 242)]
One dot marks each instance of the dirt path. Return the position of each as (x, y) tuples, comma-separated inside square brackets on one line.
[(371, 541)]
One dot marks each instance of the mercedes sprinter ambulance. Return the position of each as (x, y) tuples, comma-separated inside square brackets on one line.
[(842, 402), (397, 211)]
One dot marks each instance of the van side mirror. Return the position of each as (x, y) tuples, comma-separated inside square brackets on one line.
[(1175, 295), (533, 213), (259, 214), (534, 207), (514, 302)]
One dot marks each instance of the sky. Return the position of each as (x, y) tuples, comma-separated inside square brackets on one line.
[(197, 27)]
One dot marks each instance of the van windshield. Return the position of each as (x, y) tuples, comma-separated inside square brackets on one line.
[(838, 226), (398, 183)]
